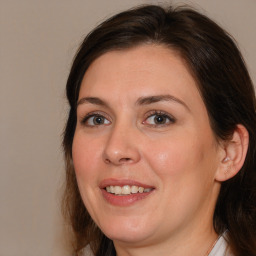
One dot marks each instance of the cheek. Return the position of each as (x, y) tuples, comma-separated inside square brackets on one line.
[(171, 158), (185, 158), (86, 156)]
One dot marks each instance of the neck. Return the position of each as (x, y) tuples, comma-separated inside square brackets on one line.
[(197, 243)]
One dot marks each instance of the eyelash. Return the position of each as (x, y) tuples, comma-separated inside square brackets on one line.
[(152, 113), (163, 114), (84, 121)]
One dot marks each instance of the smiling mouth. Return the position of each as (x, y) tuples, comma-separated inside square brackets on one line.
[(127, 190)]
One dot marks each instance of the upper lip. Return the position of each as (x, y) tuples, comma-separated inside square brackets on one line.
[(122, 182)]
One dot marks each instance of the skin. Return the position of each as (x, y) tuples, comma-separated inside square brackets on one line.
[(178, 158)]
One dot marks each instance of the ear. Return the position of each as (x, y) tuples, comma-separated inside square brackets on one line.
[(233, 154)]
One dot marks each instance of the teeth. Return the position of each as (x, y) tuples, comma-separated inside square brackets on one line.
[(112, 190), (127, 190), (134, 189), (118, 190)]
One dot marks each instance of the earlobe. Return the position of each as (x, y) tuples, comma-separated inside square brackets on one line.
[(235, 151)]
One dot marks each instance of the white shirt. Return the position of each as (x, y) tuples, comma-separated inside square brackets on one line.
[(220, 248)]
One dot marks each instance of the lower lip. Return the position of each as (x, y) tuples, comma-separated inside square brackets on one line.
[(124, 200)]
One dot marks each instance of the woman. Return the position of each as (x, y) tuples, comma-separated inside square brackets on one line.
[(160, 138)]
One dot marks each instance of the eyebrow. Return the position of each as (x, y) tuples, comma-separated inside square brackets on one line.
[(140, 101), (158, 98), (92, 100)]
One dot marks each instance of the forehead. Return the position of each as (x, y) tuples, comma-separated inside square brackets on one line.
[(141, 71)]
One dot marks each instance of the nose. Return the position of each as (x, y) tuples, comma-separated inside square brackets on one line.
[(122, 146)]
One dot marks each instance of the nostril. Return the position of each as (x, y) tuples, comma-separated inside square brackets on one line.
[(107, 161), (120, 161), (126, 159)]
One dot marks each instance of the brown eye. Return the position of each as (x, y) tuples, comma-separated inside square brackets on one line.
[(96, 120), (160, 119)]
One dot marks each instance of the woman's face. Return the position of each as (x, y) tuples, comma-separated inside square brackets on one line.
[(144, 153)]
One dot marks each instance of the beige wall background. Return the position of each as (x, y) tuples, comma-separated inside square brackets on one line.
[(37, 42)]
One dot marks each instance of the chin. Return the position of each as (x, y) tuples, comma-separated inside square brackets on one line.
[(128, 231)]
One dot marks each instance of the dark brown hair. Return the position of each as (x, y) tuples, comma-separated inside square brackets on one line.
[(225, 86)]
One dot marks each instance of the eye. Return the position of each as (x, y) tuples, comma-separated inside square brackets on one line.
[(159, 119), (95, 120)]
